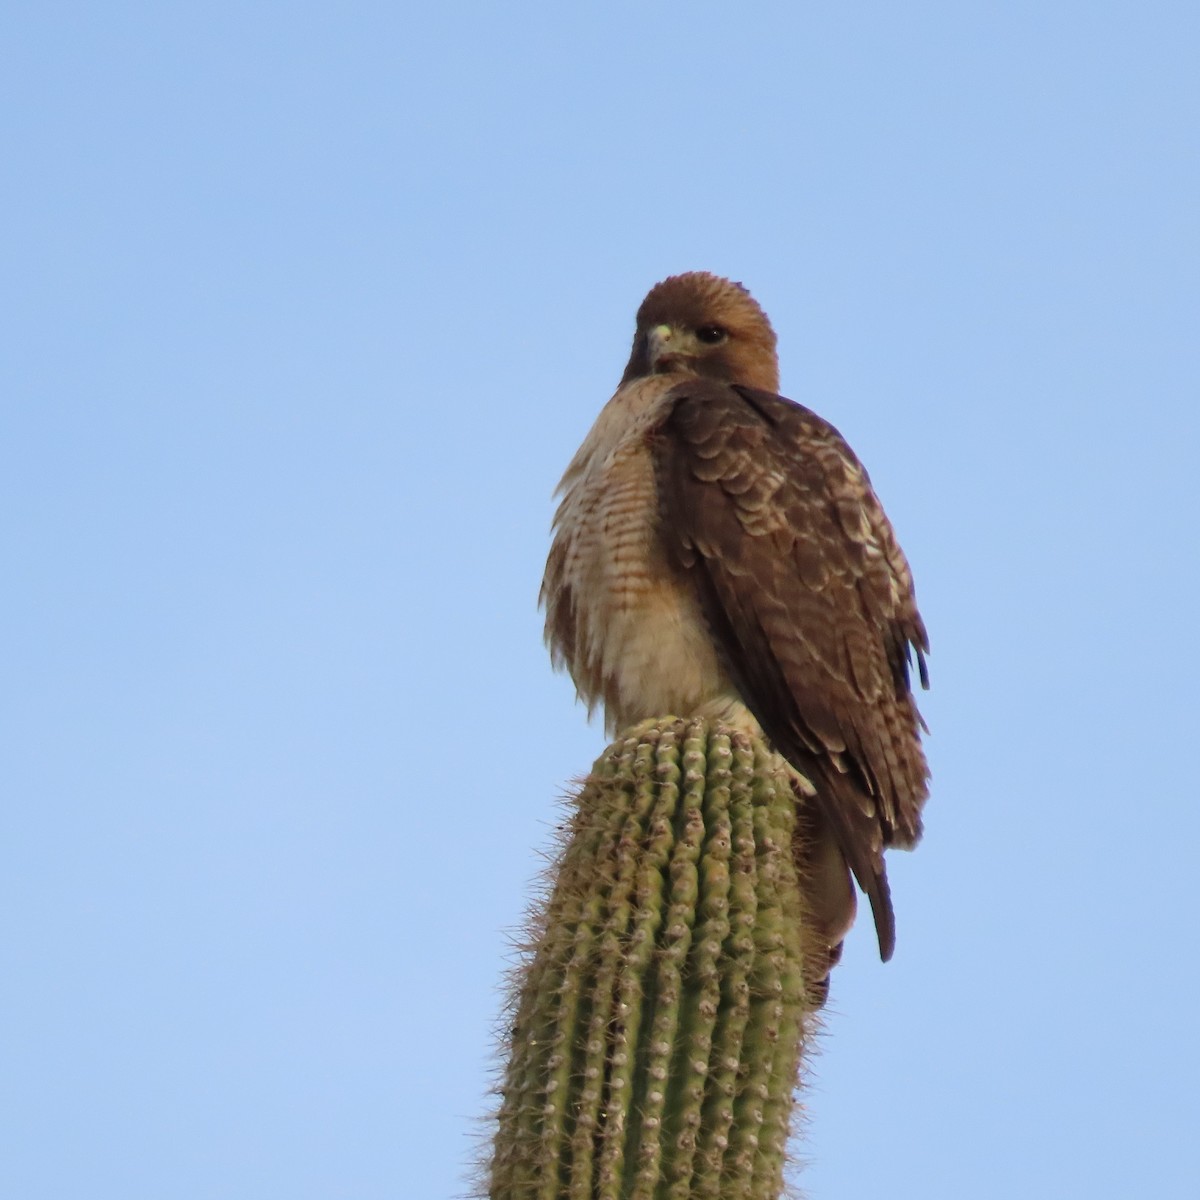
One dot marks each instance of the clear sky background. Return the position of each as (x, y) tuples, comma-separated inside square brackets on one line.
[(306, 307)]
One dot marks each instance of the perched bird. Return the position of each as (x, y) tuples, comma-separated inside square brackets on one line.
[(718, 550)]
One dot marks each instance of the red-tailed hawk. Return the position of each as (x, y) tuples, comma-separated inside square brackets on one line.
[(719, 550)]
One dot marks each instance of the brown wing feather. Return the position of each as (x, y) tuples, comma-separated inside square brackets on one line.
[(806, 591)]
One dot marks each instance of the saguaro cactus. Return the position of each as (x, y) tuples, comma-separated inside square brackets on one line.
[(658, 1021)]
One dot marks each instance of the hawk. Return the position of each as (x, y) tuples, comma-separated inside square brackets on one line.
[(718, 550)]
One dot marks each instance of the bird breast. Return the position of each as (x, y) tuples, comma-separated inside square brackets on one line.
[(620, 615)]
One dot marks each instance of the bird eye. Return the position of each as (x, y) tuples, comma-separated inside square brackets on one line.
[(710, 335)]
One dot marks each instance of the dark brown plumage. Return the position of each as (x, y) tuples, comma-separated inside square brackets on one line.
[(719, 546), (772, 519)]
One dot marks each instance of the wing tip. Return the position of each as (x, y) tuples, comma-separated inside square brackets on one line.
[(880, 897), (887, 946)]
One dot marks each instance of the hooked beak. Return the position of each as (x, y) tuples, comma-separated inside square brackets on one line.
[(662, 352)]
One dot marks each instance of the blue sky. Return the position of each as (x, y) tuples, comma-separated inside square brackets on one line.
[(307, 307)]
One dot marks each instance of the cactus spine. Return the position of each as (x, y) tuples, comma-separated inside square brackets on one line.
[(658, 1022)]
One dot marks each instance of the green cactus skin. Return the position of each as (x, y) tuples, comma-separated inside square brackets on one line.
[(658, 1022)]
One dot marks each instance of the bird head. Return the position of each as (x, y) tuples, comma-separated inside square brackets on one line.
[(701, 325)]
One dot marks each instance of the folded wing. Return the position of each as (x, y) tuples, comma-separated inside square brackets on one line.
[(771, 517)]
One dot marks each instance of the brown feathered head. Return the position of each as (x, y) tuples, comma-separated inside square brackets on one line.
[(701, 324)]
